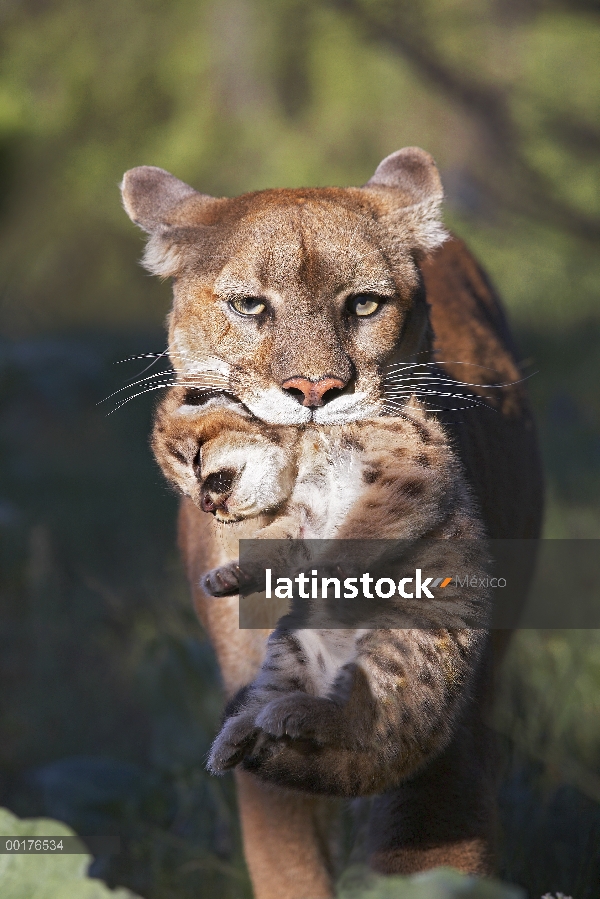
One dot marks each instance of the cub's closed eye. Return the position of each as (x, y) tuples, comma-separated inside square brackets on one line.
[(363, 304), (248, 305)]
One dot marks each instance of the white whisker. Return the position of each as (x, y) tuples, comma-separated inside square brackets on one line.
[(157, 374), (142, 356), (474, 401), (435, 364), (416, 378), (395, 408), (420, 391), (163, 385), (154, 361), (141, 393), (189, 381)]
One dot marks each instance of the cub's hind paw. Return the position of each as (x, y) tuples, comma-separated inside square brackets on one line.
[(236, 739), (222, 581), (301, 717)]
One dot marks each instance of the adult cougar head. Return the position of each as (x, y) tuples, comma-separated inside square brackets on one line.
[(294, 300)]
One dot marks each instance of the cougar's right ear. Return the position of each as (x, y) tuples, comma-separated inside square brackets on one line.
[(161, 205)]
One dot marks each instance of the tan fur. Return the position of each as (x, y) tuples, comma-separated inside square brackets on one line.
[(306, 252), (286, 825)]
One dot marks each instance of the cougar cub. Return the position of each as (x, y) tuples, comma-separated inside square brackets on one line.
[(372, 704)]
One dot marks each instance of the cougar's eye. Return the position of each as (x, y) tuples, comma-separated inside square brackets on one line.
[(248, 305), (363, 304)]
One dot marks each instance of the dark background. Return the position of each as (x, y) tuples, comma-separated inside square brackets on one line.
[(109, 694)]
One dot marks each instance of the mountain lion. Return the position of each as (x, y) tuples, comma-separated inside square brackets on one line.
[(324, 310)]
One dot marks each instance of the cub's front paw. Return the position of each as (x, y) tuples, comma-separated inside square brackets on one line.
[(301, 717), (236, 739), (229, 579), (222, 581)]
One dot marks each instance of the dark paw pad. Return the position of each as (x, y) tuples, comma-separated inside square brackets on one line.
[(222, 581)]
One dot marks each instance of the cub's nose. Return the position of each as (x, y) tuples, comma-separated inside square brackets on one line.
[(314, 393), (216, 489)]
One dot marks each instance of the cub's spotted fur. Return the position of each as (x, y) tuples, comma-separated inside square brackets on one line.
[(377, 703)]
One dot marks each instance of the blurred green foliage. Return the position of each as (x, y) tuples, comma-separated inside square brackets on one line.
[(48, 876), (443, 883), (236, 95), (64, 876), (110, 695)]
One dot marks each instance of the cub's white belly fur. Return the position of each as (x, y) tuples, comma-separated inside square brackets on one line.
[(328, 484), (326, 652)]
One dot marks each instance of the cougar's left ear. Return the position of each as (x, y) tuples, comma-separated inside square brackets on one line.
[(162, 206), (408, 192)]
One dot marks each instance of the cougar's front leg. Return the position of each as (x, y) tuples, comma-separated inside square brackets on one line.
[(287, 840), (286, 834), (446, 814)]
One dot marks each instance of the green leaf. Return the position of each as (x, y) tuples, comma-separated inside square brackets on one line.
[(24, 876), (442, 883)]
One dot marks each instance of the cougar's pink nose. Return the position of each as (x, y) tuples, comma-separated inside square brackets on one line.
[(314, 393)]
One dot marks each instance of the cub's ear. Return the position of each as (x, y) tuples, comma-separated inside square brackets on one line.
[(409, 194), (161, 205)]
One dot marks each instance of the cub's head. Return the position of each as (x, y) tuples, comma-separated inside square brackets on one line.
[(294, 301)]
